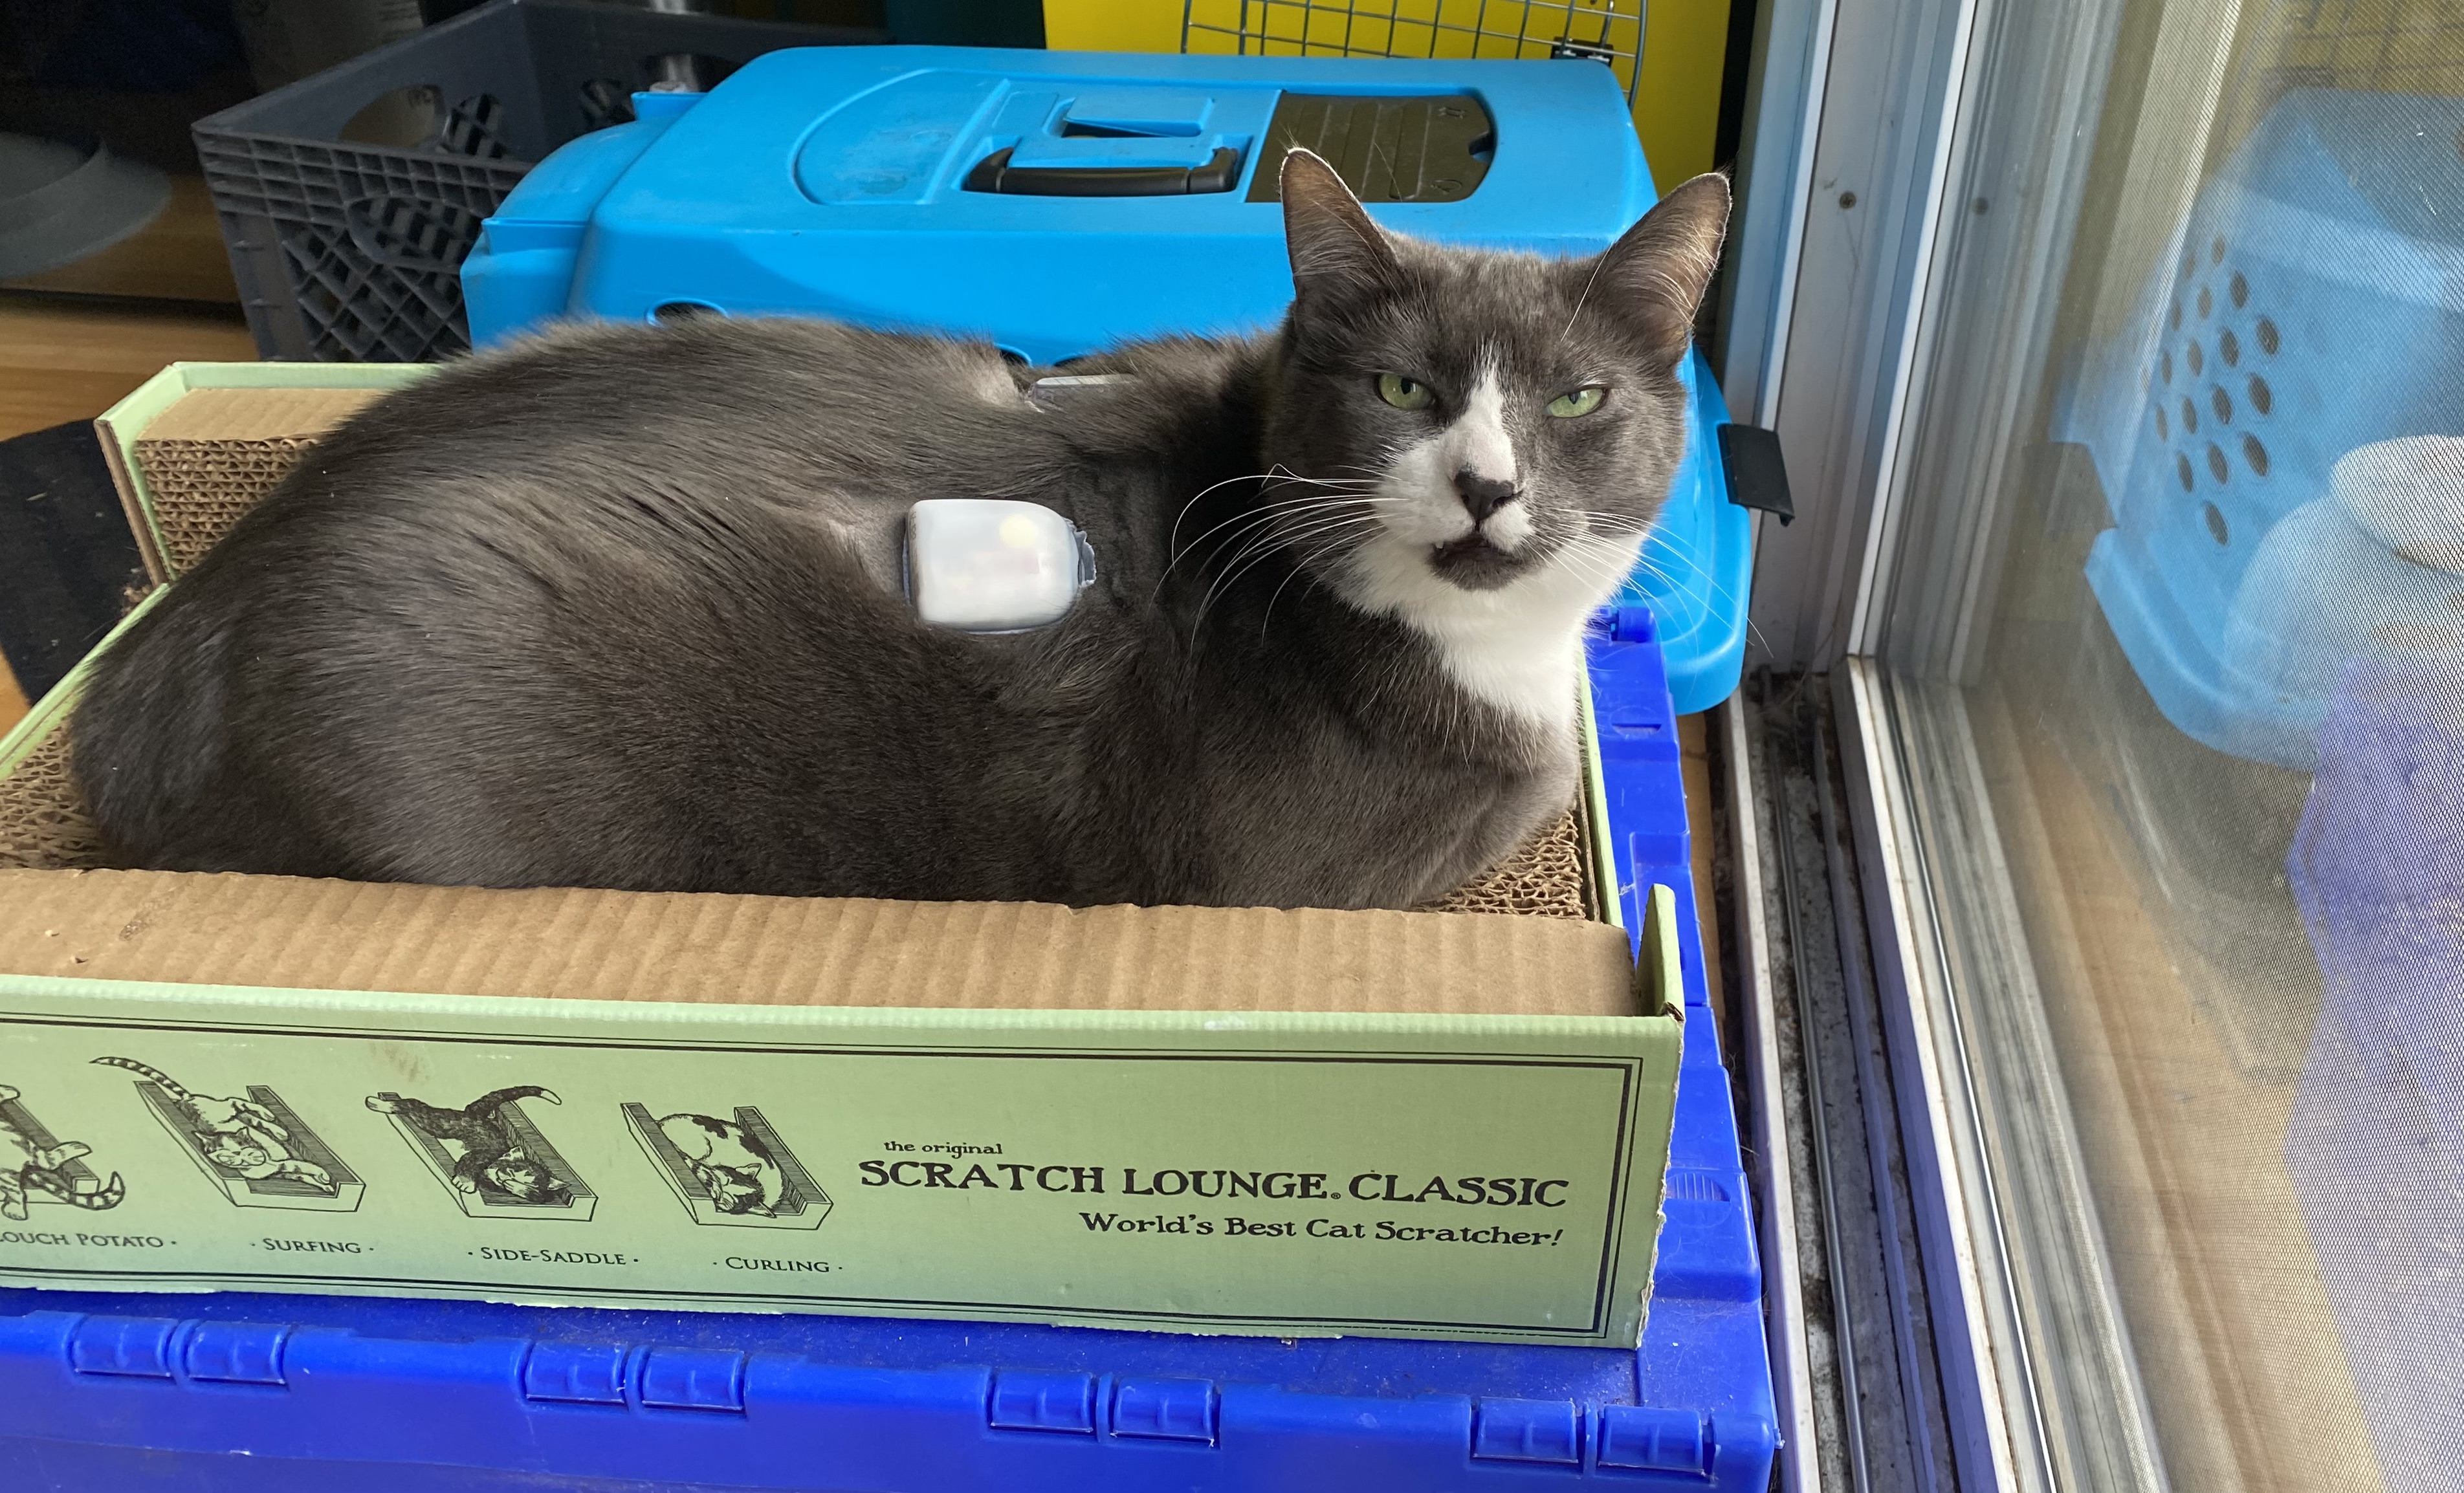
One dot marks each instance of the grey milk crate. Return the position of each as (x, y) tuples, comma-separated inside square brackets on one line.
[(348, 200)]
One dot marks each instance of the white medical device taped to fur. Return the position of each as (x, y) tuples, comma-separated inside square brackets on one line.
[(980, 564)]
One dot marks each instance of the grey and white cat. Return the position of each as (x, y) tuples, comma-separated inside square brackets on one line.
[(622, 607)]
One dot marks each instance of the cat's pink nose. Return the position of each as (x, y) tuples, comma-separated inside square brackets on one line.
[(1482, 495)]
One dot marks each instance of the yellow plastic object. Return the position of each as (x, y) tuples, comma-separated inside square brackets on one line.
[(1112, 25), (1675, 110)]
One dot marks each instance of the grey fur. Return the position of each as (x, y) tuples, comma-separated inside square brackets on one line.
[(619, 607)]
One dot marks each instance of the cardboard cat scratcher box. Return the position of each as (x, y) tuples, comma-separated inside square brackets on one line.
[(1446, 1124)]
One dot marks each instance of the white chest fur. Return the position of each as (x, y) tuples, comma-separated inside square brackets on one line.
[(1516, 647)]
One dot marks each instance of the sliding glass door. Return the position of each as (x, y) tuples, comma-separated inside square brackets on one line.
[(2161, 667)]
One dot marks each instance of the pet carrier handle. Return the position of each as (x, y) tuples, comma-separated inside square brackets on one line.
[(995, 174)]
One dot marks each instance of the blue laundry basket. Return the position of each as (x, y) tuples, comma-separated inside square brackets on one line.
[(2313, 304), (1055, 203)]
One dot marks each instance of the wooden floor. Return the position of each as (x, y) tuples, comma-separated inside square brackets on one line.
[(66, 357), (74, 340)]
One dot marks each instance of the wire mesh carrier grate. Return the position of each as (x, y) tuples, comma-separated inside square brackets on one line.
[(1606, 31)]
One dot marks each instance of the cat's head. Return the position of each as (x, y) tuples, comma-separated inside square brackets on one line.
[(732, 1191), (525, 1181), (236, 1154), (1484, 429)]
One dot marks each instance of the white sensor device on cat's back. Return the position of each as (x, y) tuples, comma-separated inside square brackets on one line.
[(980, 564)]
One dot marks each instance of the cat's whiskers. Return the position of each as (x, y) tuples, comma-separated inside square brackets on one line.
[(1262, 514), (1284, 534), (1299, 570), (1278, 472), (1264, 518), (1303, 567), (1249, 515), (1262, 546), (1602, 572), (1621, 524), (1261, 532)]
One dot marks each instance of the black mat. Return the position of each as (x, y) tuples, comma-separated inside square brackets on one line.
[(68, 563)]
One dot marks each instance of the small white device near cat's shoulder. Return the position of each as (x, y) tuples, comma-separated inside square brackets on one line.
[(979, 564), (1063, 388)]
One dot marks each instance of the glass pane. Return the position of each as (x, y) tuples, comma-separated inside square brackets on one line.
[(2179, 633)]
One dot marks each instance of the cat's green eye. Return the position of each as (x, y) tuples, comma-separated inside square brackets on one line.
[(1582, 401), (1403, 393)]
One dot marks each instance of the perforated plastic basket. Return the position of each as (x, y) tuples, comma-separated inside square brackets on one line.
[(2314, 302), (349, 199)]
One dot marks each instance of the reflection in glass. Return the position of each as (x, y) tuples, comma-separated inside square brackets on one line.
[(2210, 689)]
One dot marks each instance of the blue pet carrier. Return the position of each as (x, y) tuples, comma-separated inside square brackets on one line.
[(2313, 305), (1054, 203)]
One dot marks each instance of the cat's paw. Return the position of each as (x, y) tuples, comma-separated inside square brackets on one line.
[(384, 1103)]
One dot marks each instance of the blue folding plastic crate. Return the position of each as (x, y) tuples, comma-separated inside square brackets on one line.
[(2312, 305), (1054, 203), (310, 1393)]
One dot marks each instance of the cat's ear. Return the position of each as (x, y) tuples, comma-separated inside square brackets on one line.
[(1654, 275), (1336, 251)]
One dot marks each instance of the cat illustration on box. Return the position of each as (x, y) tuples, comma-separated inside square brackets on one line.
[(729, 1163), (730, 1171), (46, 1169), (256, 1156), (490, 1153)]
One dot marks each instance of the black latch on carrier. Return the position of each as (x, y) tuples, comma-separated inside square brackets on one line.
[(1757, 471)]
